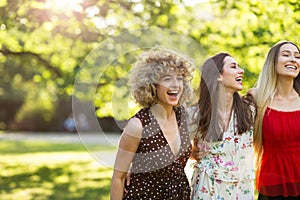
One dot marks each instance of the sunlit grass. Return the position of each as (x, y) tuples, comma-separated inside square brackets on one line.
[(24, 147), (51, 171)]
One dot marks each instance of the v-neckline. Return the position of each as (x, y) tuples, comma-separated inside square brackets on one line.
[(161, 132)]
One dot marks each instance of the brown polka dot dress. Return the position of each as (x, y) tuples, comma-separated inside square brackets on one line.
[(156, 172)]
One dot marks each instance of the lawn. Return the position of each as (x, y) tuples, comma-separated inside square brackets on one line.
[(51, 171)]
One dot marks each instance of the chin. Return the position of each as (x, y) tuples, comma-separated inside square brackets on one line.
[(174, 104), (239, 89)]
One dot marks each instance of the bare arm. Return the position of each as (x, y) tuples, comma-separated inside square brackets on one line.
[(128, 145), (193, 123), (253, 91)]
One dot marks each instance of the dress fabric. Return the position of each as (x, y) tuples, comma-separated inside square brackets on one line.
[(279, 172), (156, 172), (227, 172)]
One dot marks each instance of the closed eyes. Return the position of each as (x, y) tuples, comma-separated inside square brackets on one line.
[(289, 53)]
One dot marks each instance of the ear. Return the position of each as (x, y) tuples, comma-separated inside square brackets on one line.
[(220, 78)]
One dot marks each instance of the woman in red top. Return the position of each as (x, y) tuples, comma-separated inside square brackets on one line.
[(277, 126)]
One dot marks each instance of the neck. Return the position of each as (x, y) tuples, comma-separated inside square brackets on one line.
[(225, 109), (161, 111), (229, 102), (225, 102), (285, 87)]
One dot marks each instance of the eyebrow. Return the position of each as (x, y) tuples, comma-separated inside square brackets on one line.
[(288, 51), (234, 63), (166, 75)]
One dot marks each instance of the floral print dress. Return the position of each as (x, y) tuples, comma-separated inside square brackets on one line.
[(227, 172)]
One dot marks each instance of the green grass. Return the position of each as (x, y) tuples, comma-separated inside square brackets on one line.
[(25, 147), (51, 171)]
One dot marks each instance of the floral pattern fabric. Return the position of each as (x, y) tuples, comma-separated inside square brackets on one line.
[(227, 172)]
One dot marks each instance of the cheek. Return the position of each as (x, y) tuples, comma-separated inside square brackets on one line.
[(278, 67), (160, 89), (226, 78), (281, 60), (181, 84)]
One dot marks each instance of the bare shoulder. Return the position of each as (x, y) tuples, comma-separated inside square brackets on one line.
[(131, 135), (253, 92), (134, 128)]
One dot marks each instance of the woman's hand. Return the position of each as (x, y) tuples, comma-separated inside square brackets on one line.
[(199, 151), (127, 182)]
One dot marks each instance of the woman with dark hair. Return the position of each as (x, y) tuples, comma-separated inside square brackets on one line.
[(222, 123), (277, 129)]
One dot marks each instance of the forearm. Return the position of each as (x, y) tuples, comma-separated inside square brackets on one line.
[(128, 145), (117, 188)]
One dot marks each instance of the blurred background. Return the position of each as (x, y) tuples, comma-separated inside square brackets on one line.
[(44, 43)]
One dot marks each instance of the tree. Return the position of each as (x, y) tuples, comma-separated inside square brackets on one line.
[(45, 43)]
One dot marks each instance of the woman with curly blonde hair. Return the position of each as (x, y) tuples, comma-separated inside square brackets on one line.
[(155, 143)]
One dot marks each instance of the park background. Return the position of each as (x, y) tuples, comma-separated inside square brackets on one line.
[(43, 45)]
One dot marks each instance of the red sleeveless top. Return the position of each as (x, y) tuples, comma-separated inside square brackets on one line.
[(279, 173)]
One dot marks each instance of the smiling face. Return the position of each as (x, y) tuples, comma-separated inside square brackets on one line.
[(169, 89), (232, 76), (288, 61)]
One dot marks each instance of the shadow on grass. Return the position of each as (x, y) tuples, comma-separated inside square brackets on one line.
[(76, 181), (51, 171)]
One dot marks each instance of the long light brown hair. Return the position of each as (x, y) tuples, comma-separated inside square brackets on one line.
[(266, 88)]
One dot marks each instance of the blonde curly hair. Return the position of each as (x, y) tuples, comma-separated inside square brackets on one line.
[(151, 66)]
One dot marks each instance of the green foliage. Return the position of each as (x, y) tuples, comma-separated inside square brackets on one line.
[(43, 45)]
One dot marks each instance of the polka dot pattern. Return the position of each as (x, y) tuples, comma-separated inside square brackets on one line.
[(156, 172)]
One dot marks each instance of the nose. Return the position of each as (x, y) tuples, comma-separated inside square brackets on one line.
[(293, 58), (175, 82), (241, 71)]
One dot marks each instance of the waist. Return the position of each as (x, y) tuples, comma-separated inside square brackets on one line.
[(160, 170), (284, 148), (286, 189), (220, 172), (158, 179)]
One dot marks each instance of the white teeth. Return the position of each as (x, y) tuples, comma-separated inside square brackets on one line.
[(291, 67), (173, 92)]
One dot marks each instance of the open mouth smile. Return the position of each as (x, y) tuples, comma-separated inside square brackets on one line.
[(293, 67), (173, 93), (239, 79)]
